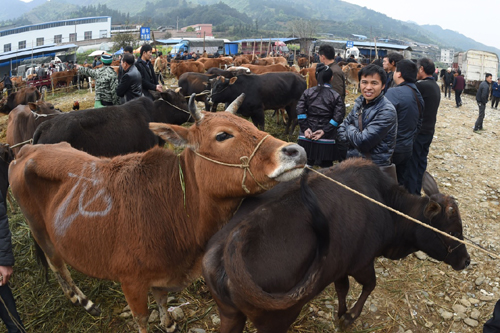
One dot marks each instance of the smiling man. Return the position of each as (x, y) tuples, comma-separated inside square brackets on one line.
[(371, 127)]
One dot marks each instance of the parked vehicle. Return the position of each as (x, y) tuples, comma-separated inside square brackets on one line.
[(474, 64)]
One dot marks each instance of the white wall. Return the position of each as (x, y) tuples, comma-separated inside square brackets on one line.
[(98, 29)]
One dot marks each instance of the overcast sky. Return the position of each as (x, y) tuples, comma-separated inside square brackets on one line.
[(476, 19)]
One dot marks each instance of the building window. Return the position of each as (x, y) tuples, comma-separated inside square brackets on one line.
[(87, 35), (72, 37), (103, 33), (22, 45), (39, 41), (6, 47), (58, 39)]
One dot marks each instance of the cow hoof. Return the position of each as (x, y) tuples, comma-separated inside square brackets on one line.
[(345, 321), (172, 328), (94, 311)]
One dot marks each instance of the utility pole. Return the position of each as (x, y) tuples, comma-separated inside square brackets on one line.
[(177, 23)]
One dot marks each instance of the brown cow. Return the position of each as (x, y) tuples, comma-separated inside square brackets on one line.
[(280, 60), (18, 82), (24, 120), (215, 62), (179, 68), (311, 79), (240, 60), (144, 219), (257, 69), (303, 62), (263, 61), (23, 96), (351, 71), (64, 77)]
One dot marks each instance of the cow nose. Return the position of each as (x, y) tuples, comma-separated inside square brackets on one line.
[(467, 262), (295, 152)]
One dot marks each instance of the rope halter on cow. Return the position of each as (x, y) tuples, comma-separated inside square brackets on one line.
[(175, 106), (245, 160)]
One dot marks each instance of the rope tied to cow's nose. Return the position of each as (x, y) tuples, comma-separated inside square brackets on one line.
[(245, 165)]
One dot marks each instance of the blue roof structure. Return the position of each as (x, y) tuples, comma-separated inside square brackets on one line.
[(47, 50), (371, 44), (251, 40)]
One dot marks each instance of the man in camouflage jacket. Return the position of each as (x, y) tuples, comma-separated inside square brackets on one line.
[(106, 81)]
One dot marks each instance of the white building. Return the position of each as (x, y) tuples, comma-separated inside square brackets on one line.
[(58, 32), (447, 56)]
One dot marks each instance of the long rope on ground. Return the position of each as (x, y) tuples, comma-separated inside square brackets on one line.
[(491, 254)]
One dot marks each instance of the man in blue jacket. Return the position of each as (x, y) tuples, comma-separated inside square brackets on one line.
[(409, 106), (495, 94), (370, 129), (482, 99)]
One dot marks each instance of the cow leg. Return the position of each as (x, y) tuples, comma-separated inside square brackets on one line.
[(68, 286), (231, 319), (367, 278), (161, 297), (342, 288), (136, 295), (258, 119)]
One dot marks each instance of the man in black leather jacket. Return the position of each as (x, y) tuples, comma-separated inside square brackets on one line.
[(130, 86)]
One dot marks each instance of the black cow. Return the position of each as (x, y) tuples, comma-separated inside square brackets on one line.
[(263, 92), (22, 96), (115, 130), (197, 83), (266, 263)]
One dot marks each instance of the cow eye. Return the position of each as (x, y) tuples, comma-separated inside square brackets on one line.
[(454, 234), (223, 136)]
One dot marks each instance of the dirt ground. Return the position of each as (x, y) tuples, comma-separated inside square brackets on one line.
[(416, 294)]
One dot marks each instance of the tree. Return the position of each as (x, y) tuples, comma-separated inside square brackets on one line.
[(124, 39), (303, 29), (189, 29)]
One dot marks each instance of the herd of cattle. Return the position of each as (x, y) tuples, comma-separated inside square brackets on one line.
[(101, 194)]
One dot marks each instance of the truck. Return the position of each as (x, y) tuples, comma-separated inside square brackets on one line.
[(211, 45), (474, 64)]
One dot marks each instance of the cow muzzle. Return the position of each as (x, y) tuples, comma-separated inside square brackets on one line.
[(292, 159)]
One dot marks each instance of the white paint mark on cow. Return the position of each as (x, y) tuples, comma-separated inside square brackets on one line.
[(62, 220)]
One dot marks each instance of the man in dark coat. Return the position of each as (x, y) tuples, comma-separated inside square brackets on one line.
[(495, 94), (143, 64), (458, 86), (448, 82), (126, 49), (409, 106), (7, 82), (327, 56), (389, 63), (431, 94), (14, 323), (482, 99), (375, 139), (130, 86)]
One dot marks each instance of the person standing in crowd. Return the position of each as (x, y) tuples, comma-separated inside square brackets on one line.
[(126, 49), (143, 64), (7, 83), (96, 62), (106, 82), (409, 106), (448, 82), (351, 59), (8, 311), (495, 94), (158, 67), (389, 63), (431, 95), (338, 58), (204, 55), (320, 110), (370, 129), (458, 87), (482, 99), (326, 57), (130, 85)]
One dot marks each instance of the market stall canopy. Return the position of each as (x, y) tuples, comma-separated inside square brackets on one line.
[(97, 53), (120, 51)]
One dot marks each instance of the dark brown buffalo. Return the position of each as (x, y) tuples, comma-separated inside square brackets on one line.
[(24, 120), (270, 259), (115, 130), (22, 96)]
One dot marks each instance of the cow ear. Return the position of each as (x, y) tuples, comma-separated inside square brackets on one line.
[(429, 184), (432, 209), (32, 106), (177, 135), (233, 80)]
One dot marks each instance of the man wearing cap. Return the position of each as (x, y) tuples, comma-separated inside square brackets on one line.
[(106, 82)]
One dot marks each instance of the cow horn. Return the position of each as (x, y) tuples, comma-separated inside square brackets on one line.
[(197, 115), (177, 90), (235, 105)]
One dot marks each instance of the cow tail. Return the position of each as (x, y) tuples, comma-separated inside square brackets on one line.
[(41, 259), (241, 278)]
